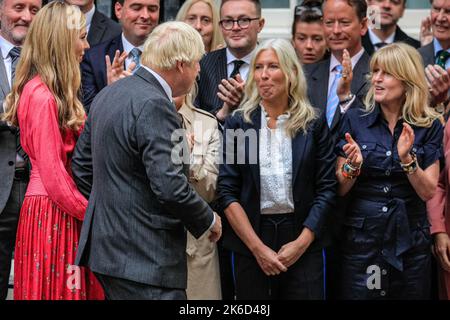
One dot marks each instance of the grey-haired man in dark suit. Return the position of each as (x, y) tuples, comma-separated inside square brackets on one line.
[(15, 19), (133, 236)]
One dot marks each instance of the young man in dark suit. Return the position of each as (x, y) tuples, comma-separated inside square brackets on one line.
[(223, 72), (388, 31), (140, 200), (138, 18), (99, 27)]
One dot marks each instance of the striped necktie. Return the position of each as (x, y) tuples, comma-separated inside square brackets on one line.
[(333, 99), (135, 54)]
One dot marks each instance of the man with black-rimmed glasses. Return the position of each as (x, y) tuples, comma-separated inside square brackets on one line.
[(223, 72)]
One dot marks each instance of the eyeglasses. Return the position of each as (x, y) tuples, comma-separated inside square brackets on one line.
[(243, 23), (312, 8)]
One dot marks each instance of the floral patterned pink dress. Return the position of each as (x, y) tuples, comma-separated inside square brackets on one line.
[(53, 209)]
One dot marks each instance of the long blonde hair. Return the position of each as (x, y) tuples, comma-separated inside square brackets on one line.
[(404, 63), (49, 51), (217, 38), (302, 113)]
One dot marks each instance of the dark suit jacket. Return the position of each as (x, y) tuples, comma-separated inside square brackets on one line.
[(140, 200), (314, 181), (8, 145), (317, 76), (102, 29), (213, 70), (399, 36), (428, 54), (93, 69)]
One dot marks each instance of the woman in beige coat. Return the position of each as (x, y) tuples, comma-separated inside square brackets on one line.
[(204, 141)]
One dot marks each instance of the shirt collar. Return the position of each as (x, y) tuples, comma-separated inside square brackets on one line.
[(161, 81), (437, 46), (127, 46), (374, 38), (89, 15), (335, 62), (280, 119), (373, 116), (247, 59), (5, 46)]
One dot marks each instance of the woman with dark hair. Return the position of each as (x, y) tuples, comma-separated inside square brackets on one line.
[(308, 36)]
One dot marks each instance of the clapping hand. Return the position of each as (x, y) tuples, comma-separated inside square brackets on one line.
[(405, 143)]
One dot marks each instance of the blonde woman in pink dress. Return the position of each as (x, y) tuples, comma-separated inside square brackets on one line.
[(44, 105)]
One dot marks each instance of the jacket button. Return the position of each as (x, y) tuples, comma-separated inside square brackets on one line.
[(11, 163), (384, 209), (382, 293), (384, 272), (388, 153), (364, 146)]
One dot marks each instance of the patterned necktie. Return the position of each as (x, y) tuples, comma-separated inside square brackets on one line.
[(135, 54), (333, 99), (442, 57), (237, 66), (14, 54)]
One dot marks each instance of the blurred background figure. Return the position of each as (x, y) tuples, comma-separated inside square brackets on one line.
[(203, 15), (390, 12), (44, 104), (308, 36), (204, 141)]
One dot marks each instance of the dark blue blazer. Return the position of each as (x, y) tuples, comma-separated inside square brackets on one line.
[(314, 181), (93, 69)]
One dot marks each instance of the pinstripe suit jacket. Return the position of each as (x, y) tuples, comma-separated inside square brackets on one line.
[(213, 70), (140, 200)]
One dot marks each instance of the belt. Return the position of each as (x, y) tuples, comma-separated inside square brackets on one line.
[(397, 237), (21, 174)]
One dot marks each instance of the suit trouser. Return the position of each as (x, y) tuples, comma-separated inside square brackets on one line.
[(122, 289), (302, 281), (9, 219)]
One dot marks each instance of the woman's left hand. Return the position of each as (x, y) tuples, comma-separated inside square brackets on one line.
[(405, 143), (292, 251)]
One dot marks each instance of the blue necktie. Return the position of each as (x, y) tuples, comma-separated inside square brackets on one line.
[(135, 54), (333, 99)]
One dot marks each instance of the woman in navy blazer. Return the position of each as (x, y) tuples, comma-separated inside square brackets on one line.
[(276, 183)]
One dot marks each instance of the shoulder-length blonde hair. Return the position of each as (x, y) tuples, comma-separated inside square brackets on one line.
[(49, 51), (217, 38), (302, 113), (404, 63)]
